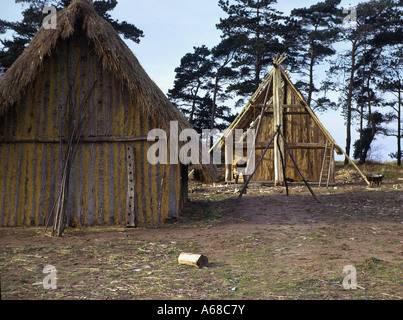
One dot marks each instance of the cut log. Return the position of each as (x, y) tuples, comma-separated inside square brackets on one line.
[(194, 260)]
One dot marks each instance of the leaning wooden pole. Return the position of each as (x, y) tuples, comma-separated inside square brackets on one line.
[(358, 170), (257, 165), (299, 171)]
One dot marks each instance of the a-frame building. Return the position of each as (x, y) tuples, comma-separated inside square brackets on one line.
[(278, 102)]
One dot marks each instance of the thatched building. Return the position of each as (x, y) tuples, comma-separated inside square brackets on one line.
[(278, 103), (80, 90)]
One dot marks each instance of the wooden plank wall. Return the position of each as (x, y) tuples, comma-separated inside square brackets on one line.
[(298, 129), (98, 187)]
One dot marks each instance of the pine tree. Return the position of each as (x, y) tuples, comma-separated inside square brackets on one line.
[(222, 55), (201, 73), (256, 26), (192, 77), (315, 30), (378, 26), (392, 82)]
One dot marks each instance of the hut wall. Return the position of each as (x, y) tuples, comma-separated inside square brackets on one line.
[(30, 153), (297, 129)]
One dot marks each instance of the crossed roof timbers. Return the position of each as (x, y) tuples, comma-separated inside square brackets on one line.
[(266, 99)]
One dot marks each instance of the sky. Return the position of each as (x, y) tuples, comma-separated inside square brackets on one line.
[(173, 27)]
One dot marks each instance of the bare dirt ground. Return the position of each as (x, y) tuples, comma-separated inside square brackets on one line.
[(265, 246)]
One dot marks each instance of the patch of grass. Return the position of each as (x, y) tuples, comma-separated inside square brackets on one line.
[(337, 279), (373, 264), (390, 175), (244, 263), (114, 273), (140, 251)]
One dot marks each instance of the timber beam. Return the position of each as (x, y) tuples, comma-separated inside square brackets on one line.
[(262, 144), (302, 113), (82, 140), (285, 106)]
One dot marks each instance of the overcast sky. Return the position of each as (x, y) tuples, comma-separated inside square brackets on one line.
[(173, 27)]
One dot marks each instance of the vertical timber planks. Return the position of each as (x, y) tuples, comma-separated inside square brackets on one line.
[(98, 193)]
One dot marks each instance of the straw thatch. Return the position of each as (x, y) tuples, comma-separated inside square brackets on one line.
[(114, 55)]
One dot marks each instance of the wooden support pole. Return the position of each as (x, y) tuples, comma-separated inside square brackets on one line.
[(228, 172), (332, 166), (278, 123), (259, 127), (314, 146), (257, 165), (299, 171), (285, 106), (160, 200), (355, 166), (231, 128), (229, 157)]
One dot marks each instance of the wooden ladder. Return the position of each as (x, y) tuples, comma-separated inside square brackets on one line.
[(327, 159)]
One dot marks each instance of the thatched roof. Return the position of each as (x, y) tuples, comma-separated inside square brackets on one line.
[(112, 51), (248, 114)]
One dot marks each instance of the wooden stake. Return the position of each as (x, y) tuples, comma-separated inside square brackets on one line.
[(299, 171), (278, 131), (160, 201), (257, 165)]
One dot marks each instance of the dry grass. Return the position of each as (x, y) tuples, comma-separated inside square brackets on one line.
[(268, 246)]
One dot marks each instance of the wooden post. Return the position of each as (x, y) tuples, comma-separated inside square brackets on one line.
[(131, 220), (258, 163), (228, 173), (299, 171), (160, 199), (173, 211), (229, 157), (278, 121), (332, 166)]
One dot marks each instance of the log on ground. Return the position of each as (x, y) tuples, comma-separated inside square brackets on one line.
[(194, 260)]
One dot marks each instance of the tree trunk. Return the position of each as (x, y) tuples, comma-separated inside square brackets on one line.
[(258, 68), (192, 112), (373, 125), (311, 71), (258, 55), (399, 128), (348, 139), (362, 158), (213, 107), (349, 100)]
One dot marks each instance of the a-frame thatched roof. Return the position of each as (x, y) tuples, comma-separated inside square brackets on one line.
[(263, 95), (248, 118), (114, 55)]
